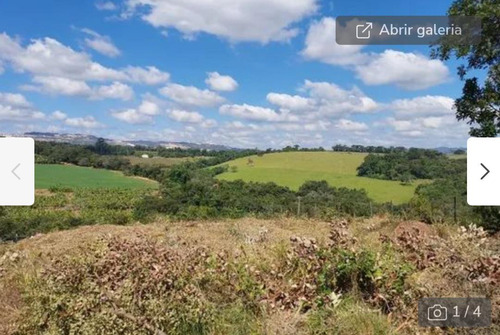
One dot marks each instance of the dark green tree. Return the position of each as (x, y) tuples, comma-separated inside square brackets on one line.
[(479, 103)]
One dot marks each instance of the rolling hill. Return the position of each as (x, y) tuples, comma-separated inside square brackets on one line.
[(292, 169)]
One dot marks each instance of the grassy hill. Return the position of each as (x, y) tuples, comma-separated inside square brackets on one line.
[(292, 169), (47, 176), (230, 277)]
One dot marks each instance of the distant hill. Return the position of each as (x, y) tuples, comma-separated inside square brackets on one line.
[(447, 150), (84, 139)]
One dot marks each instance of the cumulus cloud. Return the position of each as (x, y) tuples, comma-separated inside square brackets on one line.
[(242, 20), (185, 116), (50, 58), (132, 116), (407, 70), (70, 87), (15, 107), (290, 102), (429, 105), (149, 107), (143, 114), (321, 45), (14, 99), (106, 5), (331, 99), (58, 115), (323, 100), (88, 122), (116, 90), (101, 44), (425, 118), (191, 96), (256, 113), (350, 125), (210, 123), (218, 82), (149, 75)]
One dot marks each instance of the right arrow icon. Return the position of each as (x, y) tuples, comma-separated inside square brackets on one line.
[(487, 171)]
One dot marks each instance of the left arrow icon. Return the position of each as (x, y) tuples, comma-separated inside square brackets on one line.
[(487, 171), (14, 171)]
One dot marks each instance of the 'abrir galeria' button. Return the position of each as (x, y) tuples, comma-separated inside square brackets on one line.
[(17, 171)]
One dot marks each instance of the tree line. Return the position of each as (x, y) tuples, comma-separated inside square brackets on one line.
[(410, 164)]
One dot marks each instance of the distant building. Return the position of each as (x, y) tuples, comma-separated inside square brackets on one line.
[(145, 156)]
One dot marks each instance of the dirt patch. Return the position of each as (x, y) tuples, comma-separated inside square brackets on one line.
[(422, 229)]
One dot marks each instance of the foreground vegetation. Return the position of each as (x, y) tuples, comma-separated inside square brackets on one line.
[(277, 276)]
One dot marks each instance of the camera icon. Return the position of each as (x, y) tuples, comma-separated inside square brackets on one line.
[(363, 31), (437, 313)]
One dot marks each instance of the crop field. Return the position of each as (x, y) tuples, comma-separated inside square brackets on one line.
[(162, 161), (47, 176), (292, 169)]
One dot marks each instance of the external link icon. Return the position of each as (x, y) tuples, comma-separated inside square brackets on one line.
[(363, 31)]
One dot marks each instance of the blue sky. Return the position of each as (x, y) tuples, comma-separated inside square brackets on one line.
[(246, 73)]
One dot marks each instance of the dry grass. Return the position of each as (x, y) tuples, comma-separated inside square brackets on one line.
[(258, 239)]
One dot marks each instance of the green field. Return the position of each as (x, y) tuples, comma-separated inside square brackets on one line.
[(47, 176), (161, 161), (292, 169)]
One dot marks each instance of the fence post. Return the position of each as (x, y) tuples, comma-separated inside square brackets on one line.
[(298, 205), (455, 209)]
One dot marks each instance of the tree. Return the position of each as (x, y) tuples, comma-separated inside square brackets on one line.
[(101, 147), (479, 104)]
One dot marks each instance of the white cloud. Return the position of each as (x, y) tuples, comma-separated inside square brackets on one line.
[(116, 90), (323, 100), (350, 125), (185, 116), (88, 122), (289, 102), (14, 99), (148, 107), (256, 113), (243, 20), (100, 43), (149, 75), (15, 107), (60, 86), (407, 70), (210, 123), (64, 86), (106, 5), (191, 96), (331, 99), (132, 116), (51, 58), (11, 113), (429, 105), (58, 115), (321, 45), (219, 82), (83, 122), (47, 57)]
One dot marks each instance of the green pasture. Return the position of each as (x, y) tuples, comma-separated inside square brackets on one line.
[(292, 169), (47, 176)]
